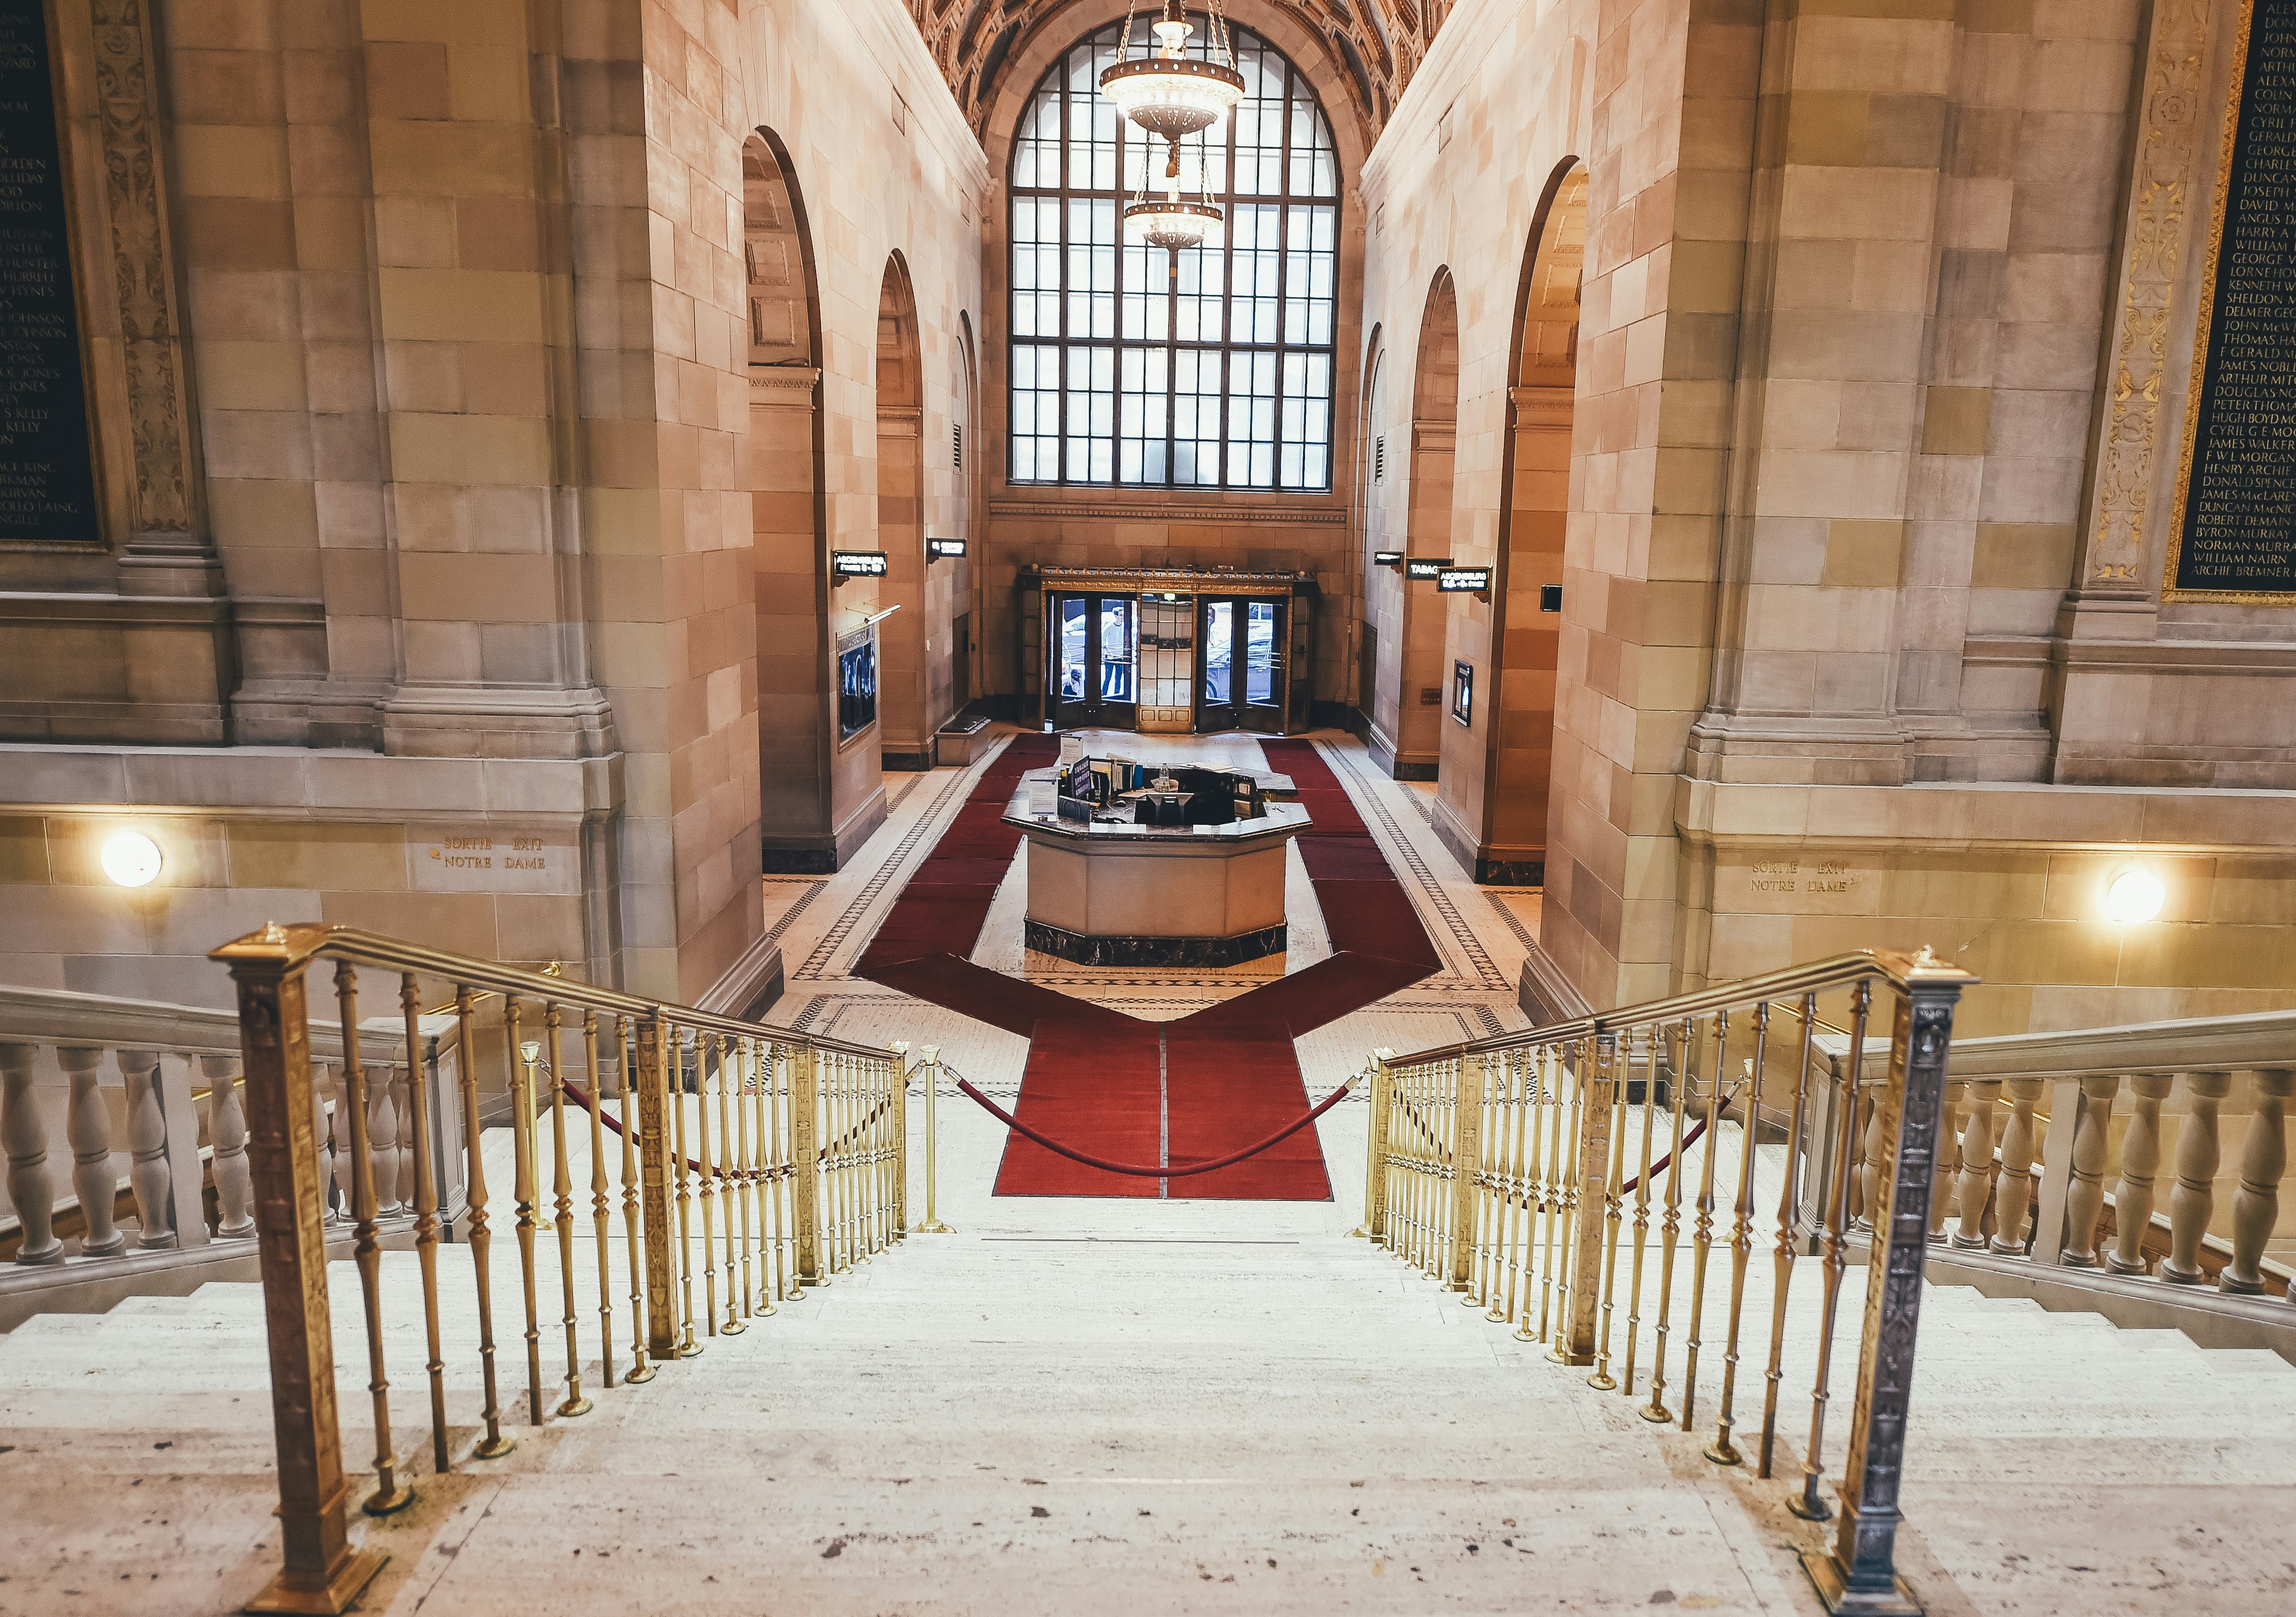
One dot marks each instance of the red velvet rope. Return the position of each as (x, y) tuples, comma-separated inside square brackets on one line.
[(574, 1092), (1688, 1140), (1137, 1172)]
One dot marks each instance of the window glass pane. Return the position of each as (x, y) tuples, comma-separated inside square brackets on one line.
[(1121, 355)]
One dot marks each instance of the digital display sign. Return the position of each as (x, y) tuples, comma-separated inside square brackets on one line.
[(937, 548), (1387, 558), (858, 563), (1464, 580), (1424, 568)]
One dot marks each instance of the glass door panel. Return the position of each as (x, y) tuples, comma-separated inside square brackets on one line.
[(1095, 660), (1263, 665)]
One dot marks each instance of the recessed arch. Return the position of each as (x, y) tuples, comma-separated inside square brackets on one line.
[(1527, 617), (908, 638), (799, 788), (1419, 680)]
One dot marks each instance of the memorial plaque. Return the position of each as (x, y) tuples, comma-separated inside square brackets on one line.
[(47, 474), (2233, 537)]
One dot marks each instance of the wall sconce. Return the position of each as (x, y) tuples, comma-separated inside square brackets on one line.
[(132, 859), (2133, 896)]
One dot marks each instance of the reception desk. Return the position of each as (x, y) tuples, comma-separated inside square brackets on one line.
[(1125, 894)]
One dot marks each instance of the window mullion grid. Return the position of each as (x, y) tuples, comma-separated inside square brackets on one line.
[(1068, 354), (1227, 300), (1282, 283)]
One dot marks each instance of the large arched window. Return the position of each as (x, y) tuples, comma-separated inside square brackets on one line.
[(1215, 371)]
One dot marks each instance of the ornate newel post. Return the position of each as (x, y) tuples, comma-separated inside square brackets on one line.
[(322, 1572), (1859, 1574)]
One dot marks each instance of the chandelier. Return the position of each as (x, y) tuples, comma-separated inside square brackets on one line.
[(1171, 95)]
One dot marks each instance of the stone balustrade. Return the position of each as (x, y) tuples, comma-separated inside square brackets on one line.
[(100, 1094), (2157, 1151)]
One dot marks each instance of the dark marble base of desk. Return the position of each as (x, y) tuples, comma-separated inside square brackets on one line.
[(1082, 950)]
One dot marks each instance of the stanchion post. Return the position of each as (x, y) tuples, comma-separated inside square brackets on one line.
[(932, 1226), (321, 1572), (1466, 1158), (805, 1163), (1859, 1576), (654, 1167), (1583, 1285), (1374, 1227)]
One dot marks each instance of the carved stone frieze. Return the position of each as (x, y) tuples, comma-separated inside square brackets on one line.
[(2172, 121), (143, 280)]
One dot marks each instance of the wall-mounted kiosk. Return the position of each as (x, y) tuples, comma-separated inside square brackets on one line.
[(1167, 650)]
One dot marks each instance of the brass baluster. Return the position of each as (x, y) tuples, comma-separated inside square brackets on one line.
[(392, 1492), (1534, 1181), (1724, 1450), (744, 1180), (493, 1444), (1481, 1225), (1670, 1226), (1512, 1105), (561, 1186), (426, 1212), (761, 1067), (1570, 1069), (728, 1169), (674, 1051), (785, 1126), (1613, 1213), (1701, 1234), (625, 1040), (771, 1102), (601, 1221), (706, 1169), (1810, 1507), (1642, 1204), (521, 1109), (1782, 1259), (1550, 1192)]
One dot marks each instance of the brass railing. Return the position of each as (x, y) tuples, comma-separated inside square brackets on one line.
[(1578, 1183), (757, 1161)]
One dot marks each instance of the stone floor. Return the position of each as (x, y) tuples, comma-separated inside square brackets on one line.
[(1135, 1406)]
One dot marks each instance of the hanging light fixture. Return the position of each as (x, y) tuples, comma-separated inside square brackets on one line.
[(1172, 95), (1168, 93)]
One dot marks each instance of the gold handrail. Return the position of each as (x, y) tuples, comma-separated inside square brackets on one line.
[(1900, 971), (305, 942)]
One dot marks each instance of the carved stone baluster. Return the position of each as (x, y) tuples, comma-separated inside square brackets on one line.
[(1869, 1152), (2084, 1194), (2256, 1203), (2200, 1148), (147, 1141), (1948, 1159), (2018, 1142), (2140, 1163), (383, 1140), (87, 1125), (24, 1135), (227, 1133), (339, 1141), (1975, 1186)]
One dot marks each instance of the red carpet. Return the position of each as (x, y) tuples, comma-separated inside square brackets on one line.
[(1166, 1093)]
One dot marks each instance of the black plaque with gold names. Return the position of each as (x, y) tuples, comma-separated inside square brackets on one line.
[(2233, 535), (47, 472)]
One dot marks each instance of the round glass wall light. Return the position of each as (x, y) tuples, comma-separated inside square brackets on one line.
[(132, 859), (2133, 896)]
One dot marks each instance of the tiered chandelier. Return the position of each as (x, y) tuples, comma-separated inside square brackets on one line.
[(1171, 95)]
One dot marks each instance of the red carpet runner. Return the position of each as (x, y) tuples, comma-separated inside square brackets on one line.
[(1174, 1092)]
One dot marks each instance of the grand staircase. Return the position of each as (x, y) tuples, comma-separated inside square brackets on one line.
[(1124, 1406)]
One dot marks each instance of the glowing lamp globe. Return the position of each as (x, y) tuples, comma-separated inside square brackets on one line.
[(1166, 93), (132, 859), (2134, 897), (1171, 224)]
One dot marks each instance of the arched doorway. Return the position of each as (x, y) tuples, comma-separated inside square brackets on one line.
[(1380, 596), (1526, 637), (961, 572), (1411, 654), (796, 724), (906, 720)]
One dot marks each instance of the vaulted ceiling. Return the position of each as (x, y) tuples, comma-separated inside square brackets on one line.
[(1378, 44)]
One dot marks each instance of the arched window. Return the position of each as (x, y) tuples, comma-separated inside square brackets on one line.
[(1215, 371)]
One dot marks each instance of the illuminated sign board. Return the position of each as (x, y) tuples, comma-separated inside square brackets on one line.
[(1425, 569), (937, 548), (858, 563), (1464, 580), (1387, 558)]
